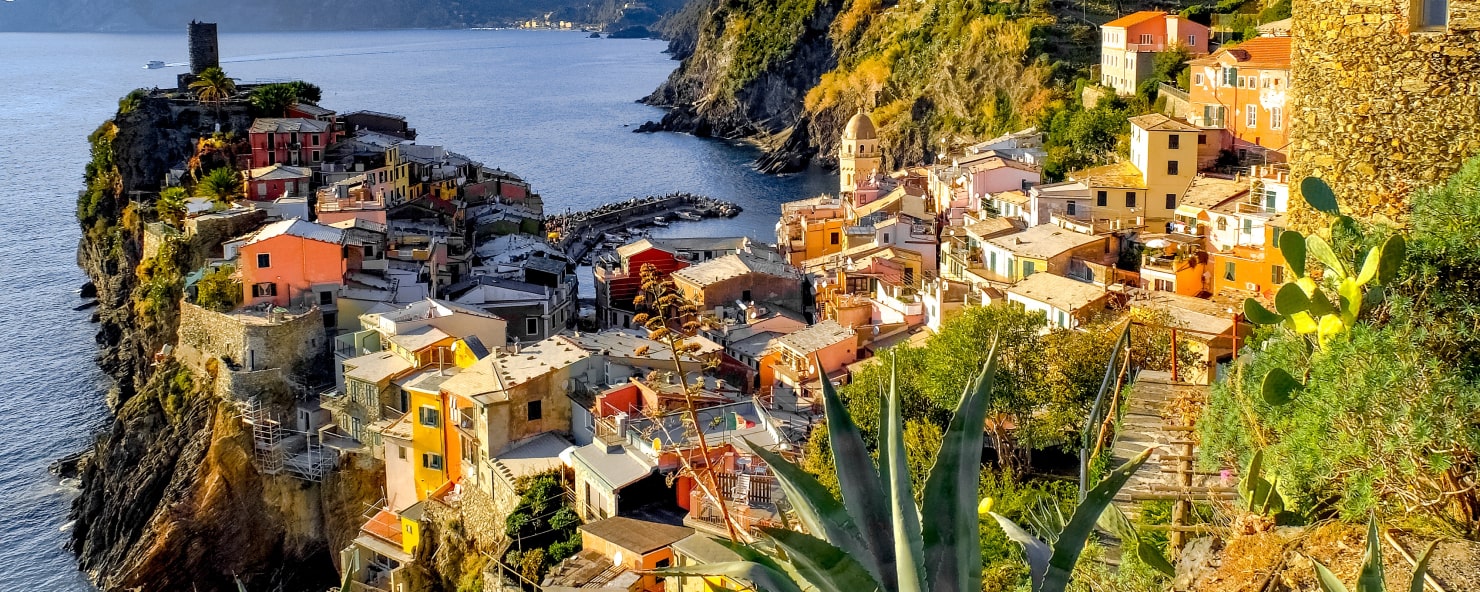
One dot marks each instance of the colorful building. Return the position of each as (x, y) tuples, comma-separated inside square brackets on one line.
[(292, 263), (1064, 302), (1243, 89), (1129, 45), (289, 141), (858, 152), (722, 285), (271, 182), (810, 228)]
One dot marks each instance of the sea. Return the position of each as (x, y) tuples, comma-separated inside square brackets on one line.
[(557, 108)]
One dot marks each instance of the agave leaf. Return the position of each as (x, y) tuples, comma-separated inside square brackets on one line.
[(239, 586), (1422, 567), (1371, 578), (864, 495), (1292, 247), (763, 578), (1319, 248), (1153, 558), (1289, 300), (1351, 300), (1328, 580), (1279, 388), (1117, 523), (1037, 552), (1369, 266), (1271, 502), (1393, 252), (1071, 541), (909, 554), (821, 564), (1318, 194), (755, 555), (819, 511), (1257, 314), (950, 529)]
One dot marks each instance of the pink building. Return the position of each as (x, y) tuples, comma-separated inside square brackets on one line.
[(798, 374), (1129, 44), (271, 182), (292, 263), (291, 141)]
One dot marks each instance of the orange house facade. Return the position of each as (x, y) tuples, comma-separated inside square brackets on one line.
[(292, 262), (1252, 270), (1129, 44), (1244, 89)]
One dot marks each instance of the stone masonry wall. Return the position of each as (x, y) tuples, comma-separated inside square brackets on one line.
[(1378, 111), (291, 345), (210, 231)]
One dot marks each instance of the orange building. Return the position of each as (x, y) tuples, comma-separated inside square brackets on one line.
[(1129, 44), (1243, 89), (291, 262), (1253, 270)]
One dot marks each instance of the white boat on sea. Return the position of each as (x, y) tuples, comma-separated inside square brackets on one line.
[(154, 65), (660, 221), (690, 216)]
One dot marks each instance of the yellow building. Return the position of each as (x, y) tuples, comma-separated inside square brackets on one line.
[(858, 152), (1165, 151), (700, 549), (810, 228), (427, 417)]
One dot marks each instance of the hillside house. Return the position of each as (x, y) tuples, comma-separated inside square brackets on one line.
[(1064, 302), (269, 183), (1129, 45), (1244, 89), (290, 141), (292, 262)]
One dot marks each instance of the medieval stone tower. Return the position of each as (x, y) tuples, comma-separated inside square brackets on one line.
[(1386, 98), (205, 52), (858, 152)]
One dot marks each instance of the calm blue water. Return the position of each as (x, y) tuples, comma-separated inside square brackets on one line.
[(556, 108)]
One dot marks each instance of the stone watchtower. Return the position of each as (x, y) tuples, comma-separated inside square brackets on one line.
[(858, 152), (205, 52), (1386, 95)]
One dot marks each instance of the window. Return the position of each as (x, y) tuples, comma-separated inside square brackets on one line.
[(432, 461), (1062, 321), (1251, 115), (1130, 199), (1271, 199), (1029, 268), (532, 326), (1428, 15), (1222, 223), (264, 260), (1171, 167), (401, 452), (1197, 79), (326, 297), (271, 158), (1229, 271), (1174, 141), (886, 237), (1102, 198), (745, 295), (1192, 40), (429, 416), (1213, 115), (264, 289), (1248, 226), (331, 320), (1277, 275), (1070, 209), (1230, 77), (533, 410), (293, 137), (315, 139), (405, 402), (1276, 117), (1171, 201), (315, 156), (1202, 139), (1145, 39), (833, 238)]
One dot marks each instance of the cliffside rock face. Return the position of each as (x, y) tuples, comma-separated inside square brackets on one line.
[(171, 499), (789, 74)]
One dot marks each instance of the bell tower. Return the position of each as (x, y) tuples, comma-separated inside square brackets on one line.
[(858, 152)]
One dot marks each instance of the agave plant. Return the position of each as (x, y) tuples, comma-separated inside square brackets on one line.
[(1260, 495), (1303, 306), (1371, 578), (875, 537)]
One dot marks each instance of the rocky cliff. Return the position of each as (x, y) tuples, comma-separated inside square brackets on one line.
[(171, 499), (788, 74)]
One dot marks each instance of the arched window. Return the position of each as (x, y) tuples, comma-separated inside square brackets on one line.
[(1222, 223)]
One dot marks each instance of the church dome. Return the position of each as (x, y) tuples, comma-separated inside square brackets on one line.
[(860, 128)]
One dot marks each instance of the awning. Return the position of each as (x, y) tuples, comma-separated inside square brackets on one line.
[(1192, 212)]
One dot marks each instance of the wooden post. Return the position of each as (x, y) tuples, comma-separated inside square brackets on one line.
[(1174, 355), (1182, 511)]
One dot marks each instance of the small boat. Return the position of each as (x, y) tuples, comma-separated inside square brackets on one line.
[(660, 221), (690, 216), (154, 65)]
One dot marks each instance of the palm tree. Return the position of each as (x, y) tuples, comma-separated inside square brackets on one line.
[(213, 86), (221, 185)]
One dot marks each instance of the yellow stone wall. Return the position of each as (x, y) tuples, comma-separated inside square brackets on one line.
[(1379, 110)]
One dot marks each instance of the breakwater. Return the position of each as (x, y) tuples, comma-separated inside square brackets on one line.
[(580, 232)]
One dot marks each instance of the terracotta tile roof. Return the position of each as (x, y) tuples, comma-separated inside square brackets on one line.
[(1121, 174), (1136, 18), (1159, 122), (1271, 53)]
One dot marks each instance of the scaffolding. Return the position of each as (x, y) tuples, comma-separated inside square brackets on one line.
[(267, 435), (276, 448)]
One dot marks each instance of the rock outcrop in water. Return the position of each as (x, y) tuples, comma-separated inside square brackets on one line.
[(171, 499)]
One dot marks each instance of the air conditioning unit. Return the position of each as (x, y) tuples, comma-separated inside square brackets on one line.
[(1251, 286)]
